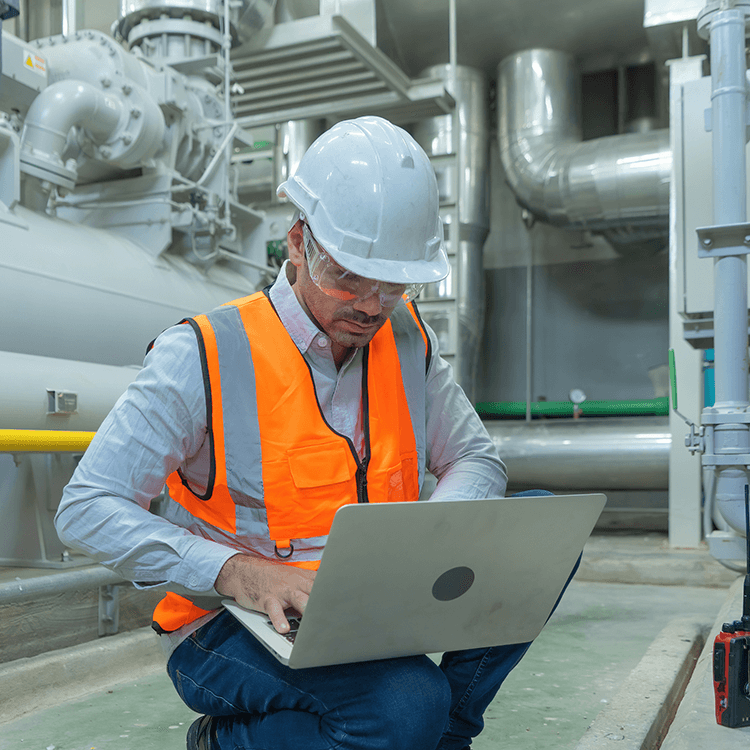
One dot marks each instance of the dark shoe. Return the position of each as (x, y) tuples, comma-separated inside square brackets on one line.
[(199, 735)]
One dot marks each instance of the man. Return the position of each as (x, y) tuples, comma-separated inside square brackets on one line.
[(264, 417)]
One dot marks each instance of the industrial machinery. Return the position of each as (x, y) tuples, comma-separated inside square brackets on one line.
[(117, 221)]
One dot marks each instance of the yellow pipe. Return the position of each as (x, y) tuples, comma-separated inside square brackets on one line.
[(44, 441)]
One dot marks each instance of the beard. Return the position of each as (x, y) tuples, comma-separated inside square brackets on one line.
[(354, 338)]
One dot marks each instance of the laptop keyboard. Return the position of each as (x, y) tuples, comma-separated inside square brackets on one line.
[(293, 628)]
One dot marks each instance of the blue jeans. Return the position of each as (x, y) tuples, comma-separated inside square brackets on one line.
[(410, 702)]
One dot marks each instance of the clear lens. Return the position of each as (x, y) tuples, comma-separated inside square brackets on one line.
[(344, 285)]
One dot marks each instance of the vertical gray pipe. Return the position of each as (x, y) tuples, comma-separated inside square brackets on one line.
[(729, 97), (293, 138), (69, 12), (469, 88), (729, 101)]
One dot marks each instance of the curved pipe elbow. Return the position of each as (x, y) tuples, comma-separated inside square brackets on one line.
[(62, 106), (599, 184), (596, 185)]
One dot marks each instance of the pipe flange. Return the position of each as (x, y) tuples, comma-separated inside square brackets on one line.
[(175, 26), (139, 134), (208, 12), (705, 16), (44, 168)]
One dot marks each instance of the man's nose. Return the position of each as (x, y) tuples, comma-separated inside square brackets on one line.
[(369, 305)]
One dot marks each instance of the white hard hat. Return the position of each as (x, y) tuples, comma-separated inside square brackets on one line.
[(370, 197)]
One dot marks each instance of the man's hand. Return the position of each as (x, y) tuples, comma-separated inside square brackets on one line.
[(270, 587)]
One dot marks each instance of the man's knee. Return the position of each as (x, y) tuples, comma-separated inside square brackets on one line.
[(413, 705)]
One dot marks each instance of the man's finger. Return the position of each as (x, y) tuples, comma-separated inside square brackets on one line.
[(275, 612)]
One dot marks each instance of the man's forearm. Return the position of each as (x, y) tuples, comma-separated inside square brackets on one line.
[(135, 543)]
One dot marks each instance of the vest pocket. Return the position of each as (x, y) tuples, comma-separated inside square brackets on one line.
[(303, 491), (402, 482), (321, 465)]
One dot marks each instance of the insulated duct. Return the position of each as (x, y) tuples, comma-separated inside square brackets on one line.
[(617, 185), (292, 141), (459, 148)]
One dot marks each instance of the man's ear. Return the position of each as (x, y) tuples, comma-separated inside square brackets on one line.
[(295, 244)]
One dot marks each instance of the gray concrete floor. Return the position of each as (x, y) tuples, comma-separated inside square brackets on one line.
[(597, 636)]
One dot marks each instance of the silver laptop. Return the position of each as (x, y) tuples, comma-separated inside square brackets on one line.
[(399, 579)]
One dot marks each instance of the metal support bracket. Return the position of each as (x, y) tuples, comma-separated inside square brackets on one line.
[(721, 240), (109, 609), (695, 442), (708, 121), (740, 417), (726, 459)]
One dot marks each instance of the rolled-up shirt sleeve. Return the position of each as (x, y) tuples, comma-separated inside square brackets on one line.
[(460, 453), (155, 425)]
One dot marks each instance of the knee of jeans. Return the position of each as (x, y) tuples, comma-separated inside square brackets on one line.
[(415, 707), (532, 493)]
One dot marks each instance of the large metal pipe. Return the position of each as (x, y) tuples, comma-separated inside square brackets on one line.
[(97, 288), (293, 138), (69, 20), (585, 454), (601, 184), (463, 181), (53, 113)]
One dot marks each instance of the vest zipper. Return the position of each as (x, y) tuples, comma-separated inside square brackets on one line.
[(362, 465), (361, 474), (362, 484)]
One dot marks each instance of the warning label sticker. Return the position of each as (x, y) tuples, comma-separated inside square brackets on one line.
[(34, 62)]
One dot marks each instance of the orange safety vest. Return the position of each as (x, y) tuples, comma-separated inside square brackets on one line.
[(309, 470)]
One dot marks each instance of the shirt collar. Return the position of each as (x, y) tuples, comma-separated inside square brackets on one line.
[(293, 316)]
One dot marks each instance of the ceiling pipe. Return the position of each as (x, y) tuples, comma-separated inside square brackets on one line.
[(617, 185)]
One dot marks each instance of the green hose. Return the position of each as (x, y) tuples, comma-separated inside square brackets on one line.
[(635, 407)]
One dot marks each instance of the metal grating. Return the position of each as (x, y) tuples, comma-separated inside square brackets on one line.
[(322, 67)]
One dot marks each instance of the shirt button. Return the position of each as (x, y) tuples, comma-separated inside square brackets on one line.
[(322, 342)]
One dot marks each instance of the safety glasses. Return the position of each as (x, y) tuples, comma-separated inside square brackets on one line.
[(337, 282)]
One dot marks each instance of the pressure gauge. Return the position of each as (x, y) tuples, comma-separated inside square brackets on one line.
[(577, 396)]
